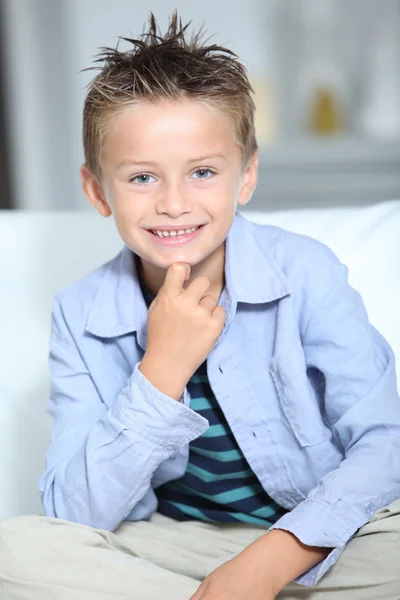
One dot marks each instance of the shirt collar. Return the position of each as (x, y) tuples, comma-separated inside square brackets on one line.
[(119, 307), (251, 276)]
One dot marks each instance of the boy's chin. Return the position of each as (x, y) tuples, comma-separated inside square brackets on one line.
[(191, 258), (165, 264), (186, 261)]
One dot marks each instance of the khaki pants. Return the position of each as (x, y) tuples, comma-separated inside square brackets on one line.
[(161, 559)]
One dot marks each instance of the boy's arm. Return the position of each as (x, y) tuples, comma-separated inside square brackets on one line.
[(100, 461), (262, 570), (362, 408), (287, 558)]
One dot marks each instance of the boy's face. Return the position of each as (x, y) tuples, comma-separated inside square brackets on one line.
[(173, 166)]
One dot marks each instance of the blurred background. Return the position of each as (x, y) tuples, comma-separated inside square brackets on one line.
[(326, 75)]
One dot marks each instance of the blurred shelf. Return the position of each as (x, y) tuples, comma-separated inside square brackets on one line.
[(337, 171), (330, 152)]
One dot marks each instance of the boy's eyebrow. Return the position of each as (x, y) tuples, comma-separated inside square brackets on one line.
[(129, 163), (200, 158)]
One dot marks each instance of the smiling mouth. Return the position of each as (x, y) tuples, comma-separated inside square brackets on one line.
[(177, 236), (164, 233)]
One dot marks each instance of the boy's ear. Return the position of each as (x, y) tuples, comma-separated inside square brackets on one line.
[(249, 180), (94, 192)]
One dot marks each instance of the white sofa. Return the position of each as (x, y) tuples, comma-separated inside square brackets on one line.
[(43, 252)]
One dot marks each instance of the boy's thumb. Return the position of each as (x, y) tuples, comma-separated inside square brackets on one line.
[(188, 269)]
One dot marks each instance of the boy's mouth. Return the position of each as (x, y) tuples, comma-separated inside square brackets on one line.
[(174, 232), (175, 235)]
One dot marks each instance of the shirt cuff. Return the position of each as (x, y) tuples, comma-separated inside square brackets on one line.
[(158, 418), (317, 524)]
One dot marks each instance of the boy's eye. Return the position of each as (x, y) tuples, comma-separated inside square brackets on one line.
[(203, 173), (143, 178)]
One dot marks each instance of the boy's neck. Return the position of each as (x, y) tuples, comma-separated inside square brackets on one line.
[(212, 267)]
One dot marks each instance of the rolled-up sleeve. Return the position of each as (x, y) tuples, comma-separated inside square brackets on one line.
[(101, 460), (362, 408)]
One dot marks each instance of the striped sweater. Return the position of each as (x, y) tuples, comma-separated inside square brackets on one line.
[(219, 485)]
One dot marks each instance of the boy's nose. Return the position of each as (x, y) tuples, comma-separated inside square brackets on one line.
[(173, 202)]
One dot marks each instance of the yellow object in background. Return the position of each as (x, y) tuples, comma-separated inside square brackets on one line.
[(326, 112)]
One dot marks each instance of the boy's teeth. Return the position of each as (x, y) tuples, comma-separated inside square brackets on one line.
[(174, 232)]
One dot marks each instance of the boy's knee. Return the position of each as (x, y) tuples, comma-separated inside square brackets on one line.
[(20, 541), (25, 534), (21, 535), (29, 543), (21, 524)]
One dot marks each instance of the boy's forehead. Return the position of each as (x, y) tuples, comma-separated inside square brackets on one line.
[(188, 127)]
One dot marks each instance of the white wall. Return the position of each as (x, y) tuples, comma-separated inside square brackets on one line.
[(38, 103)]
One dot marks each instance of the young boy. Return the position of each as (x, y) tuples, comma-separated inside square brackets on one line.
[(220, 401)]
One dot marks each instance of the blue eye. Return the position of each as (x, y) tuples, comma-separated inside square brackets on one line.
[(142, 179), (202, 171)]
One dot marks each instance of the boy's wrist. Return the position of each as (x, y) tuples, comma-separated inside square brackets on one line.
[(163, 377), (283, 558)]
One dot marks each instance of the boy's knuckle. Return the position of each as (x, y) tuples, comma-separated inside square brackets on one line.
[(200, 312)]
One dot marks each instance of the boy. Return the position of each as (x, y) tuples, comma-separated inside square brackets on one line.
[(220, 401)]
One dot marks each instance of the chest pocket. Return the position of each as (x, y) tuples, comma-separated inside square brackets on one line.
[(298, 399)]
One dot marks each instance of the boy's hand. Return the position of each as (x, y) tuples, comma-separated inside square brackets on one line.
[(237, 579), (182, 328)]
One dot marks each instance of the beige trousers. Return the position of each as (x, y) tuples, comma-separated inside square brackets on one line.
[(161, 559)]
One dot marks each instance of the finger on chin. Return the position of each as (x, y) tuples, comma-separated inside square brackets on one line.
[(177, 273)]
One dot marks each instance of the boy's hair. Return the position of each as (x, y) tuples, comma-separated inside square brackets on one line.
[(167, 67)]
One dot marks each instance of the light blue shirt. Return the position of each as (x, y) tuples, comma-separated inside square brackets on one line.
[(307, 385)]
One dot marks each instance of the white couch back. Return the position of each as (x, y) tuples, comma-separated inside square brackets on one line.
[(42, 252)]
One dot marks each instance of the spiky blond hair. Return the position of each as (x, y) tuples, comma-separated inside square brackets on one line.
[(167, 67)]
